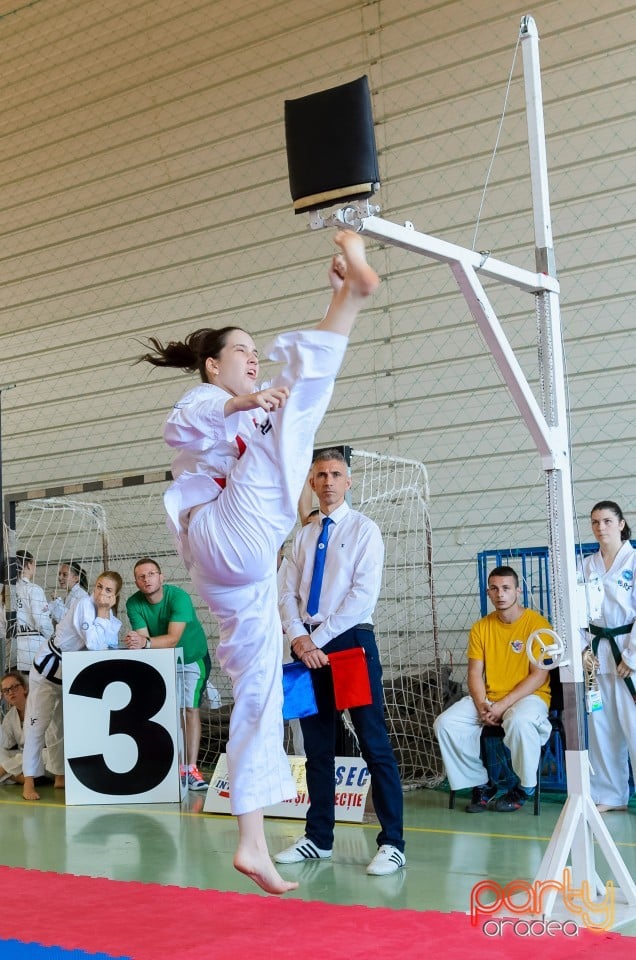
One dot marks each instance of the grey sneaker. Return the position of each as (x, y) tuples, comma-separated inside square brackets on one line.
[(195, 780)]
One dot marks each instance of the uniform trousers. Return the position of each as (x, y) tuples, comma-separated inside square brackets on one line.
[(526, 728), (234, 542), (612, 738), (43, 720), (319, 735)]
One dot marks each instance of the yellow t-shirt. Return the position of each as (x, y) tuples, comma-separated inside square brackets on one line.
[(502, 647)]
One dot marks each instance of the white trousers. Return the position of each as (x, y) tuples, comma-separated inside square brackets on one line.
[(234, 542), (43, 720), (612, 738), (526, 727), (11, 761)]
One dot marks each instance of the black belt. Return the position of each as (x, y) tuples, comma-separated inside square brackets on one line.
[(609, 633), (50, 664), (310, 627)]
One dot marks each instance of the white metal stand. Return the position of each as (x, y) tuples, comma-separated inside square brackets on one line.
[(580, 823)]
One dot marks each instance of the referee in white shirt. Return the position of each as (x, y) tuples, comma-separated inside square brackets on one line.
[(353, 562)]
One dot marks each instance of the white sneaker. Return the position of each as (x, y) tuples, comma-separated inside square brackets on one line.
[(301, 849), (387, 860)]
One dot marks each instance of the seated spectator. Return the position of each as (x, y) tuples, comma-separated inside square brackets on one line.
[(505, 689), (14, 689)]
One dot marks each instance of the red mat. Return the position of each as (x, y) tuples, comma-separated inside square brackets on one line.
[(152, 922)]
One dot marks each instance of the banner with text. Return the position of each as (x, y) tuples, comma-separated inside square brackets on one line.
[(351, 785)]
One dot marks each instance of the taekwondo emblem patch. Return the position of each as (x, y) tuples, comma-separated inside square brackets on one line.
[(517, 645)]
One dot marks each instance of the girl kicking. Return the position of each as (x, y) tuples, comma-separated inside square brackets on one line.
[(243, 457)]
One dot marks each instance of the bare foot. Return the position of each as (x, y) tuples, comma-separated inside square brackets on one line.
[(360, 277), (60, 782), (262, 871), (28, 791), (607, 808)]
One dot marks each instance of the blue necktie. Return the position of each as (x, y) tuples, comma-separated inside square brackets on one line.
[(319, 568)]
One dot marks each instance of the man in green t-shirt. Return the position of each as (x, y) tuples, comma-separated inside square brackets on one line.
[(161, 616)]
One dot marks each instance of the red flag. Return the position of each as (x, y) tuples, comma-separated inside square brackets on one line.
[(350, 675)]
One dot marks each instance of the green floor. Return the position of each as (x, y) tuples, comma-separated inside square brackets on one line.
[(448, 851)]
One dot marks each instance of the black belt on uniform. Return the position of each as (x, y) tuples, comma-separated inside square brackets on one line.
[(310, 627), (609, 633)]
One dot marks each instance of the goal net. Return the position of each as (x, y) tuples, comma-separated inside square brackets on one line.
[(114, 523)]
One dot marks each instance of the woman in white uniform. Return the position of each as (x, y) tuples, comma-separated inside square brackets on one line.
[(89, 625), (73, 584), (14, 690), (33, 618), (243, 458), (609, 576)]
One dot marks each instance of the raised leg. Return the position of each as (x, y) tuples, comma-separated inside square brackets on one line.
[(359, 281)]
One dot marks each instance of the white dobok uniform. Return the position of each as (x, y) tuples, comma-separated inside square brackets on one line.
[(612, 730), (12, 743), (81, 629), (33, 622), (58, 608), (245, 474)]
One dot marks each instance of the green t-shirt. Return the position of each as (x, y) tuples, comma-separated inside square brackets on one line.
[(175, 607)]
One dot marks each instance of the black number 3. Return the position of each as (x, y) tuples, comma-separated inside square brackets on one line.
[(155, 749)]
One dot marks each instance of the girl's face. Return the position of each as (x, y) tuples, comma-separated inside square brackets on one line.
[(606, 527), (14, 693), (105, 592), (66, 578), (236, 367)]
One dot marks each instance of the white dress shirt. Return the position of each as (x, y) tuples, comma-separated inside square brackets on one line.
[(351, 582)]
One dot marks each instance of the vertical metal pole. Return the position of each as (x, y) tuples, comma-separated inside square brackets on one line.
[(4, 578), (580, 820), (558, 473)]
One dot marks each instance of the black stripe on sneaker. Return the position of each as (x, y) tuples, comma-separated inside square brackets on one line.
[(308, 850)]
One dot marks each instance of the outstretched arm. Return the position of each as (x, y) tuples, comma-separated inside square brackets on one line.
[(273, 398)]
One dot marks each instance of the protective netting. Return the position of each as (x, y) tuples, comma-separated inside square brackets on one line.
[(125, 521), (395, 493)]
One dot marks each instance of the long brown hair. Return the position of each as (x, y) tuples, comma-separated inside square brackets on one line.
[(189, 354)]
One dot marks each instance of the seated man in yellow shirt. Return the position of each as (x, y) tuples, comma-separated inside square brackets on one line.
[(505, 689)]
